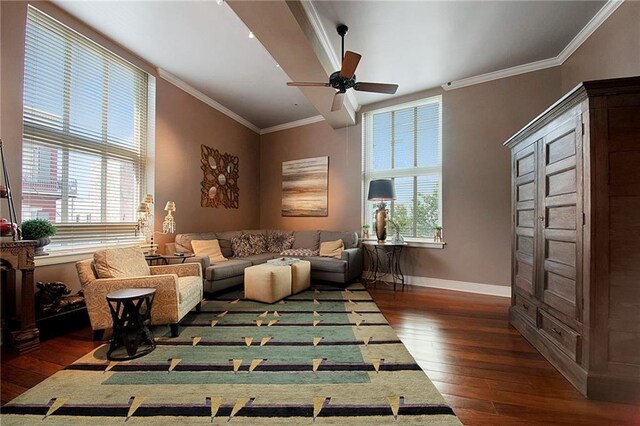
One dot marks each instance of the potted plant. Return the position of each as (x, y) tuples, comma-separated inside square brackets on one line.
[(365, 231), (438, 235), (39, 230), (397, 224)]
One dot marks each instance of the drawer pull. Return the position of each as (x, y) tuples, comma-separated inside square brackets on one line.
[(556, 330)]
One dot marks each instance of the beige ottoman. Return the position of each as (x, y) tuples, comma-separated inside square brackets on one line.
[(267, 283), (300, 276)]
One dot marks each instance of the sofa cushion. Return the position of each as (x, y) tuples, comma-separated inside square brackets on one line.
[(327, 264), (350, 239), (208, 248), (257, 259), (306, 239), (332, 249), (227, 269), (278, 241), (248, 244), (224, 238), (121, 262), (303, 252), (183, 241)]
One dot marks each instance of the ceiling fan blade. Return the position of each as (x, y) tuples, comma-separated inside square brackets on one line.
[(376, 87), (307, 83), (349, 64), (338, 100)]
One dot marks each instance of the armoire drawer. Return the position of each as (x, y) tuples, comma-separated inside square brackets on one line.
[(526, 307), (564, 337)]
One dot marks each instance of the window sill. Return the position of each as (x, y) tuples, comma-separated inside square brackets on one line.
[(412, 242), (60, 256)]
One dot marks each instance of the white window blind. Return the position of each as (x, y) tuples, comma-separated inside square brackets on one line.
[(404, 143), (85, 136)]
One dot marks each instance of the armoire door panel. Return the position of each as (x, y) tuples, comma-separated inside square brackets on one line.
[(564, 217), (525, 218), (561, 183), (560, 269), (561, 252), (565, 164), (526, 192), (561, 286), (524, 244), (526, 164), (561, 148)]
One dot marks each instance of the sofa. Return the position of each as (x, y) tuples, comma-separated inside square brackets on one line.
[(221, 275)]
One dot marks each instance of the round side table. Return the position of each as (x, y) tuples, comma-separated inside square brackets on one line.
[(131, 313)]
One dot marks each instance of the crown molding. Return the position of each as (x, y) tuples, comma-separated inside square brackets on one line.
[(598, 19), (292, 124), (314, 18), (496, 75), (206, 99)]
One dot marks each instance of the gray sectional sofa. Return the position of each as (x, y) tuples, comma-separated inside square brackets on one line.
[(221, 275)]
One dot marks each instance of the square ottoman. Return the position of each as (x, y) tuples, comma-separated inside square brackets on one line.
[(267, 283), (300, 276)]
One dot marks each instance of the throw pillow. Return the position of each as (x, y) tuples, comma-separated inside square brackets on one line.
[(121, 262), (278, 241), (332, 249), (208, 248), (301, 252), (248, 244)]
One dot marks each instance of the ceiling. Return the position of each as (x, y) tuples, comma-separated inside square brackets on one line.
[(205, 45), (419, 45)]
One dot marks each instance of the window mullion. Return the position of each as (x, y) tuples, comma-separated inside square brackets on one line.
[(415, 178)]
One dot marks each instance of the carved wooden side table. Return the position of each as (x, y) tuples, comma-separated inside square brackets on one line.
[(24, 336)]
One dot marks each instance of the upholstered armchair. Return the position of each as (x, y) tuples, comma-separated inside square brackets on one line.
[(178, 287)]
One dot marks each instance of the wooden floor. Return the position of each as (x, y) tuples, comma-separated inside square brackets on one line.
[(486, 371)]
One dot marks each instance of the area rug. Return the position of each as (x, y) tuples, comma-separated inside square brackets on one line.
[(324, 356)]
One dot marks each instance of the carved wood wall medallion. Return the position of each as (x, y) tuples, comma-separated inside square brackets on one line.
[(220, 179)]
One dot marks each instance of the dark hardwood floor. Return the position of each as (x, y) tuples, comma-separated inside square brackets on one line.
[(486, 371)]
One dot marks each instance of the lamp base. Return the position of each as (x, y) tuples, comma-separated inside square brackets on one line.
[(381, 223)]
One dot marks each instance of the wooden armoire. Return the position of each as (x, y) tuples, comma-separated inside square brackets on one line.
[(575, 181)]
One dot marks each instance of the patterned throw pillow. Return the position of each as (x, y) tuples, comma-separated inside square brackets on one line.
[(303, 252), (278, 241), (248, 244)]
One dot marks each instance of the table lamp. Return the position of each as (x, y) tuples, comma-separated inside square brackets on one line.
[(381, 190)]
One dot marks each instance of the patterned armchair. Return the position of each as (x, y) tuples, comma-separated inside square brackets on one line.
[(178, 287)]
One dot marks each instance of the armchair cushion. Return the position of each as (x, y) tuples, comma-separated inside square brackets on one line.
[(121, 262)]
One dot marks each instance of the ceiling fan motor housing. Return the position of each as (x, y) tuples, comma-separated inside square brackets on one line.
[(341, 83)]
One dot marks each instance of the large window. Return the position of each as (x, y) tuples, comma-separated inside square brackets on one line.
[(85, 135), (404, 143)]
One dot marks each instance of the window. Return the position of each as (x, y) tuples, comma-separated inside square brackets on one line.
[(84, 146), (404, 143)]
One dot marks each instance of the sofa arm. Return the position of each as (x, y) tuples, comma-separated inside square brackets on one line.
[(353, 256), (165, 302), (179, 269), (203, 261)]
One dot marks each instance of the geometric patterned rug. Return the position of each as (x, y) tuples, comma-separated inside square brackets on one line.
[(324, 356)]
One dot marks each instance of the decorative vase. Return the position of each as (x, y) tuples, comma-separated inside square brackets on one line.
[(365, 233), (397, 238), (381, 223), (5, 227), (438, 235), (41, 243)]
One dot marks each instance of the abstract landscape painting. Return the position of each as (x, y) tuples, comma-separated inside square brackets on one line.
[(304, 187)]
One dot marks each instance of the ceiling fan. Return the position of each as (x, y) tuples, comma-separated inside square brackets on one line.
[(345, 78)]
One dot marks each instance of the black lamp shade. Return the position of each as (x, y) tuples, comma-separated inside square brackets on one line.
[(381, 190)]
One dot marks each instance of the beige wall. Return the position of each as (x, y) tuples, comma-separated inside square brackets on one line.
[(183, 123), (612, 51), (343, 147), (476, 195)]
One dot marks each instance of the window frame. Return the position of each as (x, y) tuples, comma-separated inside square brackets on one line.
[(72, 236), (369, 174)]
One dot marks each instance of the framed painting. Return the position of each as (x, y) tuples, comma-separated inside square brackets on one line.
[(305, 187)]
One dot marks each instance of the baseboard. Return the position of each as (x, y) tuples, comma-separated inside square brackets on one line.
[(465, 286)]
